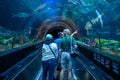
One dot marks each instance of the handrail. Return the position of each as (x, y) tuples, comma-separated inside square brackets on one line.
[(21, 66), (107, 62), (13, 56), (106, 54), (18, 68)]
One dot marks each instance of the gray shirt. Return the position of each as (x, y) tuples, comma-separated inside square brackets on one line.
[(47, 53)]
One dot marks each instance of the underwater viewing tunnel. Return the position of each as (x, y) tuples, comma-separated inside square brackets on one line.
[(25, 23)]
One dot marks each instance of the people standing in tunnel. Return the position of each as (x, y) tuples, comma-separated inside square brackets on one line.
[(66, 59), (57, 41), (49, 56)]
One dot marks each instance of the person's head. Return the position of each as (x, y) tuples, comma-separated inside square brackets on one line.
[(48, 37), (66, 32), (61, 34)]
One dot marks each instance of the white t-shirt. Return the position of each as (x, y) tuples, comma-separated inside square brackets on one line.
[(47, 53)]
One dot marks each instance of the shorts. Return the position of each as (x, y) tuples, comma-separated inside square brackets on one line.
[(66, 60)]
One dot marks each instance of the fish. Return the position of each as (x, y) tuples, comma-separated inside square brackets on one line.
[(106, 2), (83, 3), (21, 15), (40, 7), (100, 17), (74, 1), (90, 23)]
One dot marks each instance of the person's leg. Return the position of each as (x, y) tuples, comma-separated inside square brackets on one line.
[(44, 65), (58, 73), (63, 65), (62, 74), (70, 77), (52, 67), (70, 67), (58, 70)]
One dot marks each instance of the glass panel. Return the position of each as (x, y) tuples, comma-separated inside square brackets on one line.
[(98, 21)]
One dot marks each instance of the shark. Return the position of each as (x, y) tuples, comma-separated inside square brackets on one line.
[(90, 23)]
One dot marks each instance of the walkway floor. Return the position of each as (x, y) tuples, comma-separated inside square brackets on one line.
[(86, 70)]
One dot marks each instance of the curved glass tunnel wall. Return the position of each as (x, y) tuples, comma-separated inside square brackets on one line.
[(97, 22), (97, 26)]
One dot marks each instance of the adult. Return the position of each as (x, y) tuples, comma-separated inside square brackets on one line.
[(49, 55), (58, 41), (66, 60)]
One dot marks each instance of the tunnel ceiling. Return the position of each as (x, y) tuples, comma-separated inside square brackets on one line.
[(18, 15)]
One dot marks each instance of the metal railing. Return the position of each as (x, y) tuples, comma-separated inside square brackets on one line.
[(107, 62), (26, 68)]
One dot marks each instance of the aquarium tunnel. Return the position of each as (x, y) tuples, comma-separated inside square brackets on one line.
[(25, 23)]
